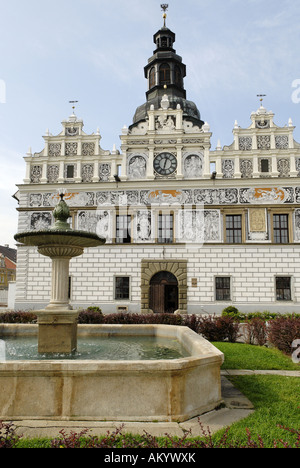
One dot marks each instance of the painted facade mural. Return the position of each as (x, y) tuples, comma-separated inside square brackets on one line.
[(223, 196)]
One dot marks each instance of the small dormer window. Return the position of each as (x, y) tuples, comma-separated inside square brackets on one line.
[(178, 76), (152, 81), (164, 42), (165, 74)]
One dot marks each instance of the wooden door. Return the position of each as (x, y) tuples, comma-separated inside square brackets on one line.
[(157, 298), (163, 293)]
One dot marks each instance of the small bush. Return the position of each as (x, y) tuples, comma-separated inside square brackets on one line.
[(232, 312), (283, 331), (255, 331), (215, 328), (18, 317), (8, 436)]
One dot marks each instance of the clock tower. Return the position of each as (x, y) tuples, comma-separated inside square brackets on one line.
[(167, 137), (165, 73)]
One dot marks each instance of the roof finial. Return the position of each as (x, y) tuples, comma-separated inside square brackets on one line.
[(261, 96), (164, 7), (73, 107)]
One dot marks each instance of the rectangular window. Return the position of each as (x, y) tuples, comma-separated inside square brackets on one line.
[(234, 229), (70, 172), (283, 288), (165, 228), (123, 229), (281, 228), (223, 289), (122, 287), (264, 165)]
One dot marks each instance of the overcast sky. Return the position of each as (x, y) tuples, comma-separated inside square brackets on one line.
[(94, 51)]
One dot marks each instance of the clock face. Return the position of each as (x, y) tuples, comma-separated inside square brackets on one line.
[(165, 163)]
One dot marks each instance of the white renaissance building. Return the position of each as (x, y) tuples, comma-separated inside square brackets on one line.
[(186, 228)]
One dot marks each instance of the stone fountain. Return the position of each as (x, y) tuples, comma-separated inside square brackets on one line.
[(57, 323), (61, 388)]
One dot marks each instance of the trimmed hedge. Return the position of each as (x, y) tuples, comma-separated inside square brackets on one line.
[(233, 312)]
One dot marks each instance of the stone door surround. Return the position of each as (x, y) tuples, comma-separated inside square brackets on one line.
[(150, 267)]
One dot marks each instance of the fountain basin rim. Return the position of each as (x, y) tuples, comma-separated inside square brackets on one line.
[(201, 351), (163, 390)]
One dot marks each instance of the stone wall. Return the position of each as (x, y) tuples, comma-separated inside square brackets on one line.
[(252, 269)]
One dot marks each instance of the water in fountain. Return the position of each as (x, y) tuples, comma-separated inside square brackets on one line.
[(97, 348)]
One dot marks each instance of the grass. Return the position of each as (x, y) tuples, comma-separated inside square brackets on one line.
[(276, 401), (244, 356)]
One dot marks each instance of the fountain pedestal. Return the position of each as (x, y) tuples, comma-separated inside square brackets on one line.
[(57, 331)]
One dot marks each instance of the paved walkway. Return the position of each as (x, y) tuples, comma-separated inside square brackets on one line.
[(236, 407), (284, 373)]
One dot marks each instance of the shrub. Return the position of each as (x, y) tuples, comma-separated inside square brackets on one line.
[(255, 331), (282, 331), (215, 328), (18, 317), (92, 315), (231, 311), (8, 436)]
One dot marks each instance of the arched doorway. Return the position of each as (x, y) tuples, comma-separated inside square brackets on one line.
[(163, 293)]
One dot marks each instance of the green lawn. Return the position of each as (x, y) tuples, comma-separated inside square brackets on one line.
[(244, 356), (276, 399)]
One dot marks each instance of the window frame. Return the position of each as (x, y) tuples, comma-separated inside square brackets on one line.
[(227, 299), (241, 229), (290, 289), (127, 298), (280, 229), (152, 78), (165, 74), (128, 238), (70, 166), (161, 229), (265, 164)]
